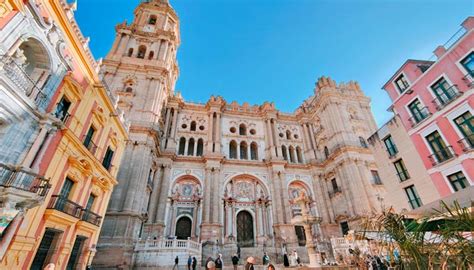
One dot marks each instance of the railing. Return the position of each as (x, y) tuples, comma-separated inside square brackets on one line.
[(442, 155), (64, 205), (169, 245), (392, 151), (22, 80), (11, 177), (64, 117), (91, 146), (419, 116), (469, 80), (91, 217), (403, 175), (467, 143), (334, 192), (446, 97)]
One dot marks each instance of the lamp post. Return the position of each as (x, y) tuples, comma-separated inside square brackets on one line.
[(308, 220)]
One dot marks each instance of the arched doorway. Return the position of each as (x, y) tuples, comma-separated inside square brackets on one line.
[(245, 236), (183, 228), (300, 233)]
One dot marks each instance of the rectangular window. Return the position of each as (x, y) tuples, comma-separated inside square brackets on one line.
[(375, 177), (89, 136), (335, 187), (417, 111), (344, 227), (440, 151), (458, 181), (444, 92), (76, 253), (390, 145), (62, 200), (465, 124), (402, 171), (46, 249), (107, 161), (413, 198), (468, 64), (402, 83), (62, 109), (90, 202)]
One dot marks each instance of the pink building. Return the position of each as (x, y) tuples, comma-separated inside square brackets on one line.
[(434, 100)]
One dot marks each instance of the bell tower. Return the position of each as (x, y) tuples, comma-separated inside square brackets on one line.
[(141, 71)]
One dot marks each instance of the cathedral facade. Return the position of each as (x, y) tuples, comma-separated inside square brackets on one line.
[(222, 174)]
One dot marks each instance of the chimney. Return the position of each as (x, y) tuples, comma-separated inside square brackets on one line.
[(468, 23), (439, 51)]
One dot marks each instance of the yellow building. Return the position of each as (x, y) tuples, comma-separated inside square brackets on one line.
[(80, 157)]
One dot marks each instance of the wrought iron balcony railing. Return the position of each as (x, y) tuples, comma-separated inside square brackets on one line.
[(403, 175), (11, 177), (334, 192), (469, 80), (64, 205), (91, 217), (467, 143), (446, 97), (392, 151), (419, 116), (442, 155), (16, 73), (90, 145)]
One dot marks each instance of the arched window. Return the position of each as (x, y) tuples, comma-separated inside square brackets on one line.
[(242, 129), (363, 143), (130, 52), (150, 55), (191, 147), (193, 126), (152, 20), (284, 152), (200, 147), (243, 150), (299, 154), (326, 151), (182, 145), (233, 150), (33, 58), (288, 135), (141, 51), (253, 151), (291, 149)]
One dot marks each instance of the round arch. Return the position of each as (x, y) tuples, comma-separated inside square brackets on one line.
[(183, 228), (229, 178)]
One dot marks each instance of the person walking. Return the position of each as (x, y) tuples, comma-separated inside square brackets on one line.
[(176, 261), (250, 263), (190, 261), (265, 259), (286, 261), (235, 261), (219, 262), (194, 263), (209, 259)]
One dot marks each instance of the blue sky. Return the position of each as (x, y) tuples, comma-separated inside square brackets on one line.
[(275, 50)]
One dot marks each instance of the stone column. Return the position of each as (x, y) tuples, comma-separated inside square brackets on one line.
[(154, 195), (347, 187), (228, 218), (174, 123), (210, 139), (216, 201), (165, 185), (325, 193), (283, 194), (218, 133), (123, 45), (259, 220), (207, 196), (276, 198), (320, 198), (269, 140), (310, 128), (195, 219), (310, 147), (366, 185), (277, 140), (167, 122)]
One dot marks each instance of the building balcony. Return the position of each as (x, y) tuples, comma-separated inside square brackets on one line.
[(467, 143), (25, 189), (469, 80), (15, 72), (403, 175), (91, 146), (91, 217), (66, 206), (447, 97), (442, 155), (334, 192), (419, 116), (392, 152)]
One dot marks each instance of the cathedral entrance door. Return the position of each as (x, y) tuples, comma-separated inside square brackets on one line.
[(245, 229), (300, 233), (183, 228)]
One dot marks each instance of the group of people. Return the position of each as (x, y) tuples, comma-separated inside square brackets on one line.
[(218, 263), (291, 260)]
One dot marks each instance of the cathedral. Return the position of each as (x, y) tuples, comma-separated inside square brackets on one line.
[(223, 177)]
